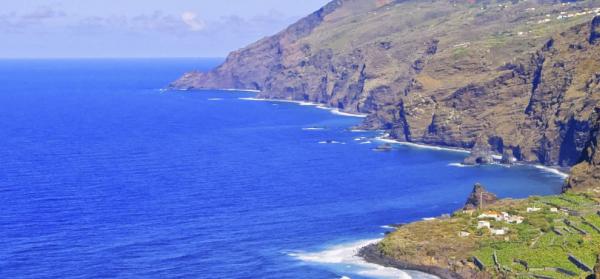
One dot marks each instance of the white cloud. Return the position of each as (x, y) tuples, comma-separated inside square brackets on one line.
[(192, 21)]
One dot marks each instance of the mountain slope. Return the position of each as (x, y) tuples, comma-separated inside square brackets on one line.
[(586, 175), (524, 75)]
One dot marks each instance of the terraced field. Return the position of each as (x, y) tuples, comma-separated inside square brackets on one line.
[(559, 238)]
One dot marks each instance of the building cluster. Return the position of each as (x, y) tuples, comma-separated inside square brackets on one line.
[(501, 217), (565, 15), (485, 218), (498, 217)]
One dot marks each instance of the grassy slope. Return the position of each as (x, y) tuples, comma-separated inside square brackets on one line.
[(465, 32), (534, 241)]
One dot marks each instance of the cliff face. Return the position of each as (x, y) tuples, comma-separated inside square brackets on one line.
[(438, 71), (585, 176)]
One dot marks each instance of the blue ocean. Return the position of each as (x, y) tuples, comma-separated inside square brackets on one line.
[(105, 175)]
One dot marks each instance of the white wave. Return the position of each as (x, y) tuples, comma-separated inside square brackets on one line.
[(215, 99), (278, 101), (459, 165), (313, 129), (239, 90), (422, 146), (343, 258), (388, 227), (358, 131), (366, 142), (338, 112), (331, 142), (359, 138), (540, 167), (304, 103), (552, 171), (251, 99)]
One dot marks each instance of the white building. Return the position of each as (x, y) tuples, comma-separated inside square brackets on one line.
[(498, 231), (483, 224), (515, 220), (533, 209), (491, 215)]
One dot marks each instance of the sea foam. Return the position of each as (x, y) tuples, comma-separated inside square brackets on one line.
[(240, 90), (552, 171), (343, 259), (304, 103), (459, 165), (422, 146)]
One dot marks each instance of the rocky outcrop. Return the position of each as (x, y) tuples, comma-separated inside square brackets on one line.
[(372, 254), (479, 198), (585, 176), (481, 153), (438, 72), (508, 158)]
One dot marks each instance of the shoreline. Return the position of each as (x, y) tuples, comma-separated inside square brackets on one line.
[(368, 251), (213, 89), (549, 169), (302, 103), (346, 260), (311, 104), (371, 254), (386, 139), (383, 138)]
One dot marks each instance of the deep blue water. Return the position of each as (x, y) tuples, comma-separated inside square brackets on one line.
[(104, 176)]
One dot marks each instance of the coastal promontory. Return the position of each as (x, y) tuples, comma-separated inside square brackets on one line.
[(520, 76)]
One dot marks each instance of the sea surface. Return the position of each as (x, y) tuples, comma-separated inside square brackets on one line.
[(105, 175)]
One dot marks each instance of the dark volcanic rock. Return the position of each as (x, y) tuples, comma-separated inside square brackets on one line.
[(586, 175), (479, 197), (595, 30), (384, 147), (481, 153), (508, 157), (372, 254)]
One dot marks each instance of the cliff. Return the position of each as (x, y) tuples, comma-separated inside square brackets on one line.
[(523, 75), (585, 176)]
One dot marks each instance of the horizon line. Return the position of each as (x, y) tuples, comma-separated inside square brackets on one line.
[(110, 58)]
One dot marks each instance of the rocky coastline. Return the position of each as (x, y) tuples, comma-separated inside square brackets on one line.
[(510, 83), (527, 97), (453, 251), (372, 254)]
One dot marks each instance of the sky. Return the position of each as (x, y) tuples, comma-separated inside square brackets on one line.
[(141, 28)]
